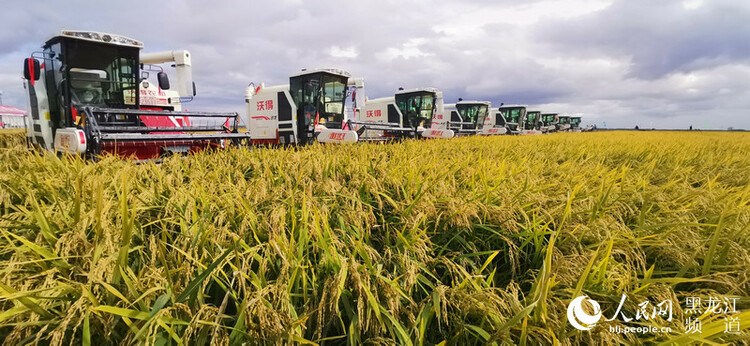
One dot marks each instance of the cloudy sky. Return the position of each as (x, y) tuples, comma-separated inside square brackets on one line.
[(664, 64)]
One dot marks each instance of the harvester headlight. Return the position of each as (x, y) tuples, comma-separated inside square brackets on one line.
[(89, 35)]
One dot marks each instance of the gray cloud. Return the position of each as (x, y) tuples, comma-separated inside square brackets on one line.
[(624, 62), (660, 37)]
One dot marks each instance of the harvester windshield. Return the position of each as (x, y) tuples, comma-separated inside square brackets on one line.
[(564, 120), (319, 97), (102, 75), (512, 115), (575, 121), (417, 108), (474, 113)]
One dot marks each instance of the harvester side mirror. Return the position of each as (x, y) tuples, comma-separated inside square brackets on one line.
[(163, 80), (31, 69), (193, 88)]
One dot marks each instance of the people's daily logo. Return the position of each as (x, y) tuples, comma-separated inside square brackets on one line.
[(579, 318), (585, 313)]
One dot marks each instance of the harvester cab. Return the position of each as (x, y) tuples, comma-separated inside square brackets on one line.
[(83, 93), (414, 113), (533, 121), (549, 122), (563, 123), (575, 124), (309, 108), (495, 123), (515, 116), (466, 118)]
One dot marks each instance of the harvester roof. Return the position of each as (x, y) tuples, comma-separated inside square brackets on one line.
[(464, 102), (407, 91), (333, 71)]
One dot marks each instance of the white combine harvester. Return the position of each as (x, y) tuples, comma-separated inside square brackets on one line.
[(309, 108), (563, 123), (414, 113), (84, 98), (549, 122), (496, 120), (474, 117), (533, 123), (575, 124), (517, 122)]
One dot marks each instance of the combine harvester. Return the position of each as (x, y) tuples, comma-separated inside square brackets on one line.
[(563, 123), (575, 124), (473, 117), (517, 122), (497, 121), (533, 123), (549, 122), (414, 113), (514, 116), (84, 97), (310, 108)]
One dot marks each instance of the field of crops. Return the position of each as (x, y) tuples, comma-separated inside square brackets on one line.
[(461, 241)]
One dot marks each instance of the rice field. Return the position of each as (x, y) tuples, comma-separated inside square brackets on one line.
[(461, 241)]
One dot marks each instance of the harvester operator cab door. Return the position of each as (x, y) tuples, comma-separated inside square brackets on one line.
[(532, 120), (482, 112), (319, 97), (499, 119)]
